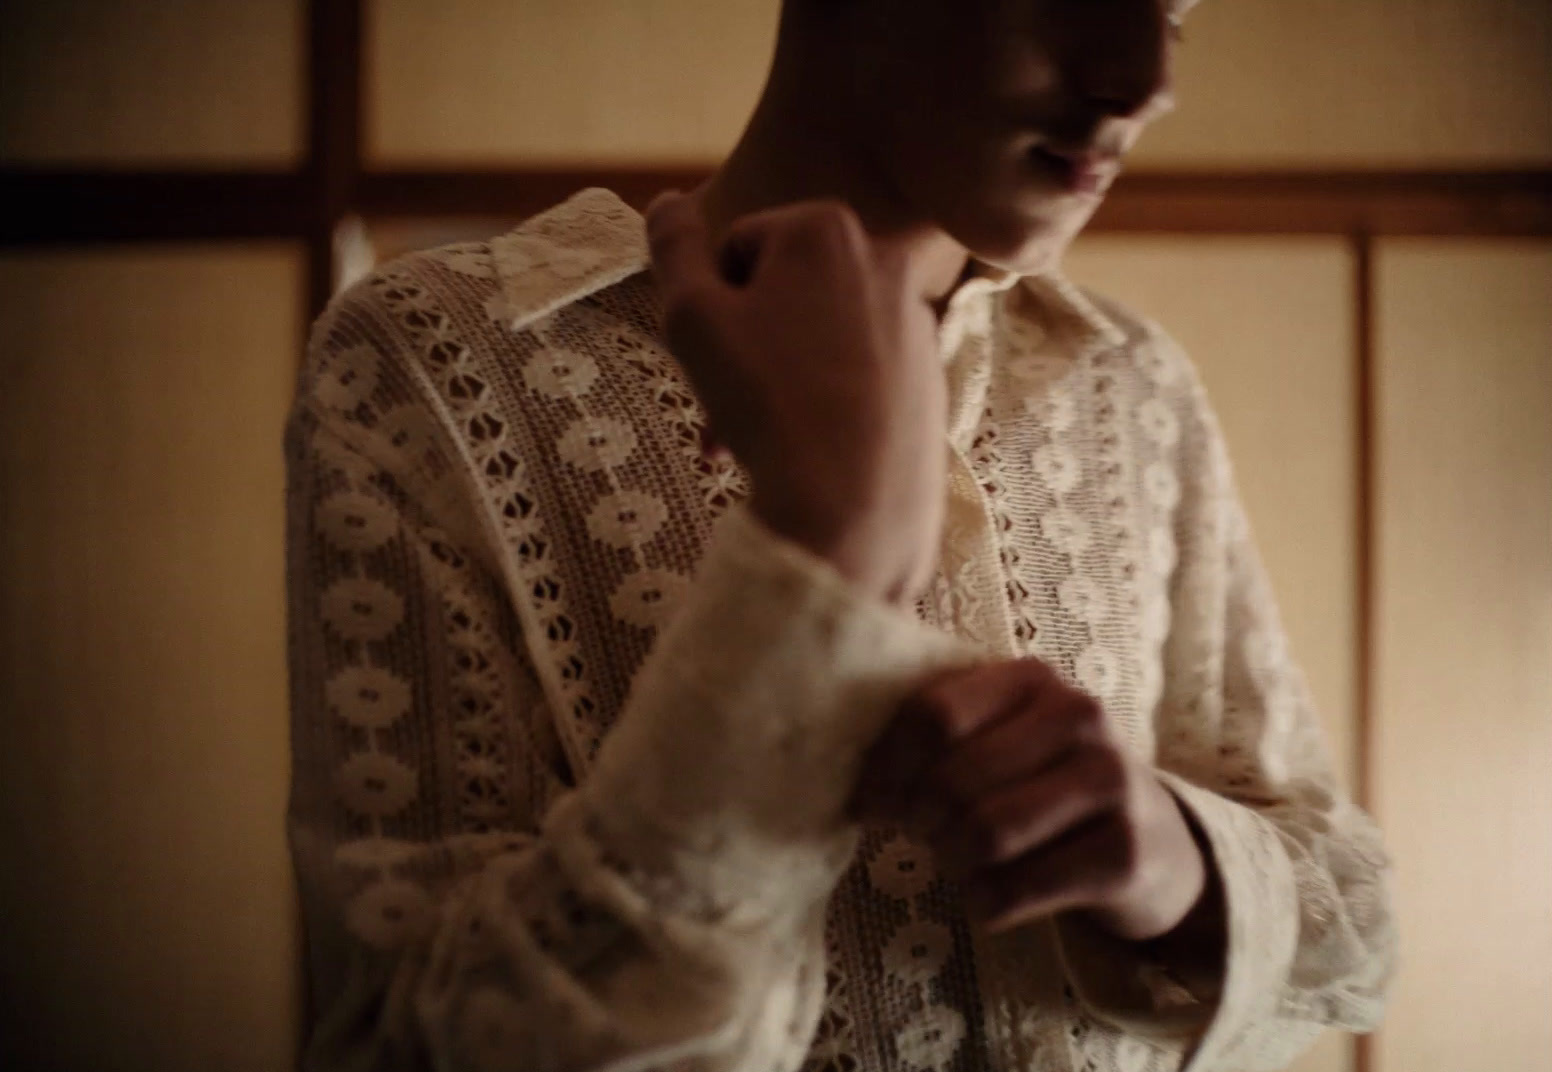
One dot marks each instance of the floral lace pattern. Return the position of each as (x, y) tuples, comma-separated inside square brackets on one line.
[(498, 502)]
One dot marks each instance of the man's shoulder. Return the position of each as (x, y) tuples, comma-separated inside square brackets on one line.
[(1145, 345), (464, 333), (1134, 329), (478, 351), (424, 290), (559, 257)]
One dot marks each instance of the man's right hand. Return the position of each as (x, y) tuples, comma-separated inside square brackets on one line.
[(819, 370)]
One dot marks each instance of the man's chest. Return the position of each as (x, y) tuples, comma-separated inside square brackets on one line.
[(1061, 549)]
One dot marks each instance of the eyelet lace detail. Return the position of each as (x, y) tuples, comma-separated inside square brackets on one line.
[(503, 497)]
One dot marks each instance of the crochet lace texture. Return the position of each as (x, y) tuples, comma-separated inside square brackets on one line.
[(571, 731)]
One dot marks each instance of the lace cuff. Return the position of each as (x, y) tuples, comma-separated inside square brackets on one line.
[(1127, 985), (732, 763), (1136, 989), (1261, 907)]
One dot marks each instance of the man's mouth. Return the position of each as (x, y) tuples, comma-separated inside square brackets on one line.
[(1085, 171)]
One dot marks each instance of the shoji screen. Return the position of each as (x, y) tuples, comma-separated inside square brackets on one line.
[(568, 81), (147, 895), (1311, 84), (1464, 670), (99, 82)]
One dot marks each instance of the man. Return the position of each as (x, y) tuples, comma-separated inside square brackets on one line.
[(840, 645)]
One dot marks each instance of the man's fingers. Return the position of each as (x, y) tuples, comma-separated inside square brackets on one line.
[(1002, 825), (793, 245), (941, 712), (1015, 749), (680, 247), (1084, 867), (946, 708), (694, 311), (957, 704), (805, 238)]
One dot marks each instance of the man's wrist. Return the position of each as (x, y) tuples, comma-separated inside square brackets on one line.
[(1200, 939), (847, 548)]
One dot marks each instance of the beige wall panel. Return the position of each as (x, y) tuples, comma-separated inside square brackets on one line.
[(1464, 668), (1269, 322), (1263, 83), (566, 80), (166, 83), (1361, 83), (147, 894)]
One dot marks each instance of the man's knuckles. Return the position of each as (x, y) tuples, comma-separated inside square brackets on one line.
[(990, 830), (688, 314), (825, 229), (941, 712), (1104, 775)]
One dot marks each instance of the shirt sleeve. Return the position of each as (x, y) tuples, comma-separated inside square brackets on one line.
[(1302, 872), (466, 906)]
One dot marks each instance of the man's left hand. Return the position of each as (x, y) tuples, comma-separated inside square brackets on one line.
[(1025, 790)]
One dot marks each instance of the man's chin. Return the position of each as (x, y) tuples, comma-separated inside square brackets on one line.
[(1025, 243)]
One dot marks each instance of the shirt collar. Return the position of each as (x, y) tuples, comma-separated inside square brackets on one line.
[(590, 241), (593, 240), (1073, 312)]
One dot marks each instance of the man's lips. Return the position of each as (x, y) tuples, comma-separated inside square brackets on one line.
[(1087, 171)]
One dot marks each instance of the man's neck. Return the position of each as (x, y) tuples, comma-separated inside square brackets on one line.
[(786, 156)]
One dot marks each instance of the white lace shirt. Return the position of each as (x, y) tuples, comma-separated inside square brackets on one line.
[(572, 732)]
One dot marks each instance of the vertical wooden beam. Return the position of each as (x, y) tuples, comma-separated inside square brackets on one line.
[(333, 172), (331, 180), (1367, 484)]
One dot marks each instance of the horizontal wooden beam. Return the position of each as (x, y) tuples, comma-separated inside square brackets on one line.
[(510, 192), (53, 207), (1379, 203), (1373, 203), (66, 207)]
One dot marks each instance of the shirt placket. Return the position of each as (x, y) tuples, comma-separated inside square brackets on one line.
[(970, 561)]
